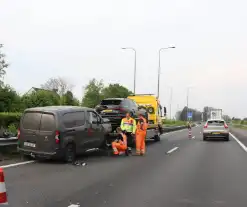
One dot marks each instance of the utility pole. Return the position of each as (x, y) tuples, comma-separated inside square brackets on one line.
[(187, 118), (171, 103), (159, 68), (130, 48)]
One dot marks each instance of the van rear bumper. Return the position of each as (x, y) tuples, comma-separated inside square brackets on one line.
[(39, 154)]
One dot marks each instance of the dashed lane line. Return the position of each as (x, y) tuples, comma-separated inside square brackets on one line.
[(172, 150)]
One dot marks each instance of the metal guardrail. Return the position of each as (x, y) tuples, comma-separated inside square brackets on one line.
[(173, 128), (8, 141), (13, 140)]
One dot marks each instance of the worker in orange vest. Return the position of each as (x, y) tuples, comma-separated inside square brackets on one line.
[(120, 144), (141, 131)]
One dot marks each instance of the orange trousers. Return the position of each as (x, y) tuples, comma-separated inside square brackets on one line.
[(118, 147), (140, 143)]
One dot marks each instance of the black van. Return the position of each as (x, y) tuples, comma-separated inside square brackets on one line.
[(60, 131)]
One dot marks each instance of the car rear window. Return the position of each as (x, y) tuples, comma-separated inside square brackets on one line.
[(216, 123), (111, 102), (31, 120), (47, 122)]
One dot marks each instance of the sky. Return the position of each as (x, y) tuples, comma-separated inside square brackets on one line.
[(79, 40)]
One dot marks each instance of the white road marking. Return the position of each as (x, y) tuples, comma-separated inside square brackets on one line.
[(17, 164), (193, 137), (172, 150), (74, 205), (240, 143)]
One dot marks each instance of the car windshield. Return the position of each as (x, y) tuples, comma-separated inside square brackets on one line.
[(111, 102), (216, 123)]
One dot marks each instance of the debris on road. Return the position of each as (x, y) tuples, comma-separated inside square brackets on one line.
[(79, 163)]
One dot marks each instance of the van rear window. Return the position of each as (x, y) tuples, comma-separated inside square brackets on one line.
[(47, 122), (31, 120)]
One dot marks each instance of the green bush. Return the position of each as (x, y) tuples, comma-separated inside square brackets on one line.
[(12, 128), (9, 119)]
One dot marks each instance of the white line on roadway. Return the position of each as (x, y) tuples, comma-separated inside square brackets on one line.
[(172, 150), (240, 143), (193, 137), (17, 164)]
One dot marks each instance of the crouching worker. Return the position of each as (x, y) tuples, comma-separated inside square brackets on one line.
[(119, 146)]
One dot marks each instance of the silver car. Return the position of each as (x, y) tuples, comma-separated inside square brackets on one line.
[(215, 128)]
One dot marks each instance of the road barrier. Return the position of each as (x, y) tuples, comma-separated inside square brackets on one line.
[(3, 193), (8, 141), (12, 141), (190, 133), (173, 128)]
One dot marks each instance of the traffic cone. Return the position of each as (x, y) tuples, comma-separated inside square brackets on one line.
[(3, 193), (190, 134)]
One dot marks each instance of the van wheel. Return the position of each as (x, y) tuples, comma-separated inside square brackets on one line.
[(106, 144), (70, 153)]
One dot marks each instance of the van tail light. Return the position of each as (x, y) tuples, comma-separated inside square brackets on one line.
[(18, 134), (57, 137), (205, 126), (225, 125)]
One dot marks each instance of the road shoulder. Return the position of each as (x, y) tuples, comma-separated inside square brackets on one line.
[(241, 134)]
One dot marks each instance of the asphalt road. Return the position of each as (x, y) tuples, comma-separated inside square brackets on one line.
[(198, 173)]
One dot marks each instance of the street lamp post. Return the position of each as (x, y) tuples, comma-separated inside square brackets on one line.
[(130, 48), (159, 69), (171, 103)]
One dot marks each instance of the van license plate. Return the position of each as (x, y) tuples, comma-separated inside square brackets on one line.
[(28, 144), (216, 132)]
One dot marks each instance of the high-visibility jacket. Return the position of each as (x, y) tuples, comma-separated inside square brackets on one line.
[(142, 128), (129, 125)]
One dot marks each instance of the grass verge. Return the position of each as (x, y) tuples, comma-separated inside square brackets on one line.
[(168, 123)]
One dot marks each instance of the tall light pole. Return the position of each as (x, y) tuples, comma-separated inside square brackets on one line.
[(171, 92), (131, 48), (159, 69)]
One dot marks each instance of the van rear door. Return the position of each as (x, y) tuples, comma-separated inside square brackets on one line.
[(29, 130), (47, 133), (38, 132)]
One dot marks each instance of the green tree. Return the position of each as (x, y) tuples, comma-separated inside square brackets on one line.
[(69, 99), (41, 98), (93, 93), (10, 101), (3, 66), (115, 91)]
